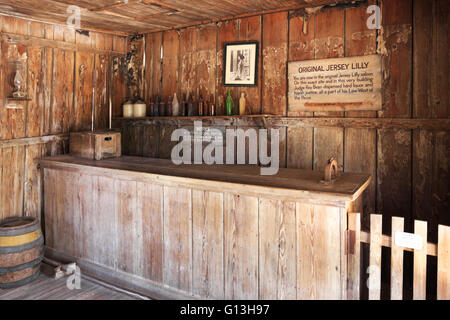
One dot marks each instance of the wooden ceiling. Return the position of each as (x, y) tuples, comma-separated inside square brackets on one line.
[(141, 16)]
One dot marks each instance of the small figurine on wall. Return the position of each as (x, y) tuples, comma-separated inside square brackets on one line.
[(242, 103)]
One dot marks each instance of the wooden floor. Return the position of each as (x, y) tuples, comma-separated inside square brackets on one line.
[(47, 288)]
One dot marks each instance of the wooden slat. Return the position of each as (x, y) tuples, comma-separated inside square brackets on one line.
[(443, 276), (101, 103), (374, 281), (128, 254), (177, 263), (82, 109), (207, 210), (420, 263), (35, 92), (150, 208), (62, 93), (396, 261), (354, 257), (274, 58), (188, 62), (12, 181), (103, 220), (32, 192), (206, 61), (318, 253), (153, 65), (277, 243), (241, 247), (171, 49)]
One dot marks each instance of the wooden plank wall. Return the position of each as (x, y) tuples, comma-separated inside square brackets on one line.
[(62, 68), (409, 166)]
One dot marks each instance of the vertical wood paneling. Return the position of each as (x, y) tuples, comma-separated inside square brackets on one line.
[(354, 258), (12, 181), (103, 220), (328, 142), (118, 89), (360, 157), (329, 42), (101, 103), (207, 211), (318, 252), (82, 109), (153, 64), (150, 208), (394, 176), (274, 51), (206, 61), (177, 265), (49, 205), (165, 143), (397, 60), (227, 32), (32, 192), (171, 44), (35, 92), (250, 30), (188, 61), (300, 147), (241, 247), (151, 139), (62, 93), (301, 45), (128, 255), (277, 253)]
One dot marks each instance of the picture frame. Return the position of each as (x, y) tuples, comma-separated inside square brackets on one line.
[(240, 61)]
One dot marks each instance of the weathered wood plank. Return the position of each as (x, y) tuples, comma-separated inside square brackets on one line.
[(12, 181), (35, 92), (62, 92), (374, 281), (189, 61), (300, 148), (32, 187), (328, 142), (150, 147), (177, 263), (241, 247), (118, 85), (171, 50), (420, 262), (250, 29), (207, 211), (443, 285), (274, 58), (354, 257), (360, 156), (206, 61), (49, 205), (153, 65), (101, 102), (318, 253), (277, 243), (82, 108), (396, 261), (150, 208)]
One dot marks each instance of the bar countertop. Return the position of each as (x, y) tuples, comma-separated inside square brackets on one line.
[(288, 184)]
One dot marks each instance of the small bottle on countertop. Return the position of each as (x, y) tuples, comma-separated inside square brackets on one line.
[(190, 106), (184, 105), (175, 106), (212, 108), (200, 105), (156, 107), (162, 108), (229, 104), (242, 103), (169, 107)]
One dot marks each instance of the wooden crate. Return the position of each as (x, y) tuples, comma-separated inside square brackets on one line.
[(95, 145)]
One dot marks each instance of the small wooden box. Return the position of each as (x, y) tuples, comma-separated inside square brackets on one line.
[(95, 145)]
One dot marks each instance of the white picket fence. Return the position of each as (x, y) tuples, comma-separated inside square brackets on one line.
[(398, 243)]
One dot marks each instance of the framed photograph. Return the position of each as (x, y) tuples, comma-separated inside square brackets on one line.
[(240, 64)]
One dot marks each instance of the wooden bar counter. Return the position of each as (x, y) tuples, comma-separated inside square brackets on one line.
[(199, 231)]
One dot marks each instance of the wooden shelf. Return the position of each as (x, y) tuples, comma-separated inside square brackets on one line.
[(17, 99), (198, 117)]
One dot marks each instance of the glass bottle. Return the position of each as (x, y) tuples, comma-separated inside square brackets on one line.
[(229, 104)]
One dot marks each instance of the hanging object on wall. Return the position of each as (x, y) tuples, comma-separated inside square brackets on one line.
[(240, 64), (339, 84)]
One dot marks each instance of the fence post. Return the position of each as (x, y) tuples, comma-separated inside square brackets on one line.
[(420, 262), (443, 276), (354, 254), (396, 261), (374, 281)]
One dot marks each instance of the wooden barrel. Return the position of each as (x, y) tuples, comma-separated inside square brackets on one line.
[(21, 251)]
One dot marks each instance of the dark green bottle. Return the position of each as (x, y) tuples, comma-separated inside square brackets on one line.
[(229, 104)]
